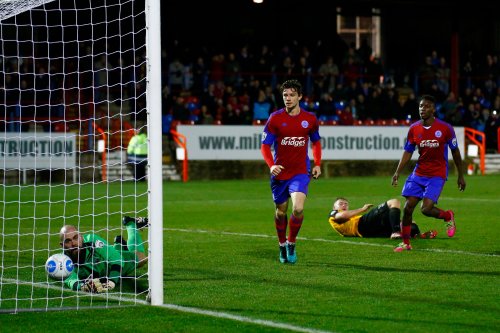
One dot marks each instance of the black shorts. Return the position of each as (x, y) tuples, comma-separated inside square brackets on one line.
[(376, 222)]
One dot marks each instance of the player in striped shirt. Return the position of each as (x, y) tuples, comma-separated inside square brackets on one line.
[(289, 131), (432, 137)]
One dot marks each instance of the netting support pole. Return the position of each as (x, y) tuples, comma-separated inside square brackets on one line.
[(155, 179)]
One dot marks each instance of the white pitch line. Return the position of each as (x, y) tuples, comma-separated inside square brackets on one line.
[(249, 320), (364, 243), (117, 297), (261, 322)]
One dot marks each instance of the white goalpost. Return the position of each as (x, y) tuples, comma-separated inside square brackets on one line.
[(78, 79)]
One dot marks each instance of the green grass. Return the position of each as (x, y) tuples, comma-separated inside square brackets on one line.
[(221, 256)]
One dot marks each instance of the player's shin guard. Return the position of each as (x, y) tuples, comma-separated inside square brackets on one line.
[(294, 224), (406, 234), (281, 228)]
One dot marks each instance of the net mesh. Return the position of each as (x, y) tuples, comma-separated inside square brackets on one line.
[(73, 93)]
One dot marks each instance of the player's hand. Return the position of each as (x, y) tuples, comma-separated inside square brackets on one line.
[(395, 180), (316, 172), (461, 184), (367, 207), (276, 169), (97, 286)]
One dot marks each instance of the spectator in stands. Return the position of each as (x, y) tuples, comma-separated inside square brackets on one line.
[(264, 64), (350, 71), (176, 76), (491, 131), (216, 72), (443, 76), (180, 110), (137, 154), (473, 117), (410, 108), (200, 76), (206, 118), (452, 110), (346, 117), (364, 52), (328, 73), (99, 266), (232, 70), (361, 113), (374, 71), (391, 108), (326, 109), (262, 107), (438, 94), (427, 76), (467, 74)]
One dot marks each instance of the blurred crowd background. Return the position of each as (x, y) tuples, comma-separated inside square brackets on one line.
[(223, 62)]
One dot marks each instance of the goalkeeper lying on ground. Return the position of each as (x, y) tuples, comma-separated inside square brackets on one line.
[(99, 266)]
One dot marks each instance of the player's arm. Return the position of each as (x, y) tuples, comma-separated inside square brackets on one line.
[(114, 260), (72, 281), (457, 158), (108, 279), (90, 284), (402, 163), (316, 150), (275, 169), (345, 215)]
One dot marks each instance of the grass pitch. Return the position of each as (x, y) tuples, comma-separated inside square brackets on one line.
[(222, 272)]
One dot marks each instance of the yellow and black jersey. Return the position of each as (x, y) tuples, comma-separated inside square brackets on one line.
[(349, 228)]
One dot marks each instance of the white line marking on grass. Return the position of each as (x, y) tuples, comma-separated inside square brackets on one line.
[(224, 315), (121, 298), (361, 243)]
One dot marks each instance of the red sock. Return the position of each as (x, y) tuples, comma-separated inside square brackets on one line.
[(444, 215), (295, 224), (406, 234), (280, 229)]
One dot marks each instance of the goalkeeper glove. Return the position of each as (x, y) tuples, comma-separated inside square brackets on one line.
[(97, 286)]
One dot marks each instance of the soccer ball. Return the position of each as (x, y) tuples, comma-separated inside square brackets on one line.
[(59, 266)]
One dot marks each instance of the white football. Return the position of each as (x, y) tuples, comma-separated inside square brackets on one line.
[(59, 266)]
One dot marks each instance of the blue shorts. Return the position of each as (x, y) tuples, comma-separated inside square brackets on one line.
[(281, 189), (423, 187)]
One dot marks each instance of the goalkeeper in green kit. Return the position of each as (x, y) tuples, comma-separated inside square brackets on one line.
[(98, 266)]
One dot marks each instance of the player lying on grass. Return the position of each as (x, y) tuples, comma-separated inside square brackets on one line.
[(98, 266), (381, 221)]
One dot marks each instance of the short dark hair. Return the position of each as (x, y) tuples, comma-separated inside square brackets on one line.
[(292, 84), (429, 98)]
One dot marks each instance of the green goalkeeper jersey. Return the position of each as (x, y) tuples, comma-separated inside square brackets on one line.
[(101, 260)]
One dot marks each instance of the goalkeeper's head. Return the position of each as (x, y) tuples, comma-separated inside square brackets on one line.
[(72, 242)]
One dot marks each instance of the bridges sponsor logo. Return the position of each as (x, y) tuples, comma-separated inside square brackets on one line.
[(295, 141), (429, 143)]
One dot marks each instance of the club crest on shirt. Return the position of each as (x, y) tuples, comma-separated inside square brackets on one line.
[(438, 134), (304, 124), (98, 244)]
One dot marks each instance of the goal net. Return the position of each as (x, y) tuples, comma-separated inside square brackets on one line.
[(76, 86)]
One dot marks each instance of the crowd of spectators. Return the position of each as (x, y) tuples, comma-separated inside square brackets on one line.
[(240, 87)]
